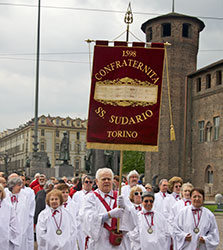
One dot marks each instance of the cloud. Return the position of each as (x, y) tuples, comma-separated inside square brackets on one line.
[(64, 66)]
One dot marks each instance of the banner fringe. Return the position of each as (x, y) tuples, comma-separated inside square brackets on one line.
[(125, 147)]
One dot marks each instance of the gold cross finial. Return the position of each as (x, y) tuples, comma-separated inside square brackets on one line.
[(128, 15)]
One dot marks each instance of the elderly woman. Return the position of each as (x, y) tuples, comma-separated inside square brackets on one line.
[(195, 225), (20, 203), (55, 228), (135, 197), (151, 231), (9, 229)]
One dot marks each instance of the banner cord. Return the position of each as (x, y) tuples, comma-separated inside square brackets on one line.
[(172, 132), (119, 35), (135, 37)]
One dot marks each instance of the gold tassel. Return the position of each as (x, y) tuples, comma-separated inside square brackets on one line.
[(172, 133)]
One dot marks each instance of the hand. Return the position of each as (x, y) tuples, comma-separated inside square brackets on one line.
[(120, 201), (188, 237), (202, 240), (116, 212)]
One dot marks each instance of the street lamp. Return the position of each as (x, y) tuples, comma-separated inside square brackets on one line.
[(35, 143)]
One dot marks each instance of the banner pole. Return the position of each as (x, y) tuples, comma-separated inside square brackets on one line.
[(120, 184)]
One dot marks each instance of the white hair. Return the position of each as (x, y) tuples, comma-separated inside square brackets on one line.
[(133, 172), (102, 170), (161, 181), (36, 175)]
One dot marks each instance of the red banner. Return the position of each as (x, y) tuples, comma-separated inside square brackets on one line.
[(125, 97)]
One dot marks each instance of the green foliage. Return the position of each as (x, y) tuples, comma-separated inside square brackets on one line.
[(211, 207), (133, 160)]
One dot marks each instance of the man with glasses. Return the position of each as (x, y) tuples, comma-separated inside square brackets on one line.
[(78, 199), (161, 195), (151, 227)]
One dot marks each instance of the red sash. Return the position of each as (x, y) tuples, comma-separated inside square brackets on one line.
[(108, 208), (115, 238)]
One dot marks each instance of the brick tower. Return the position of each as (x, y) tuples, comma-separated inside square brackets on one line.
[(183, 33)]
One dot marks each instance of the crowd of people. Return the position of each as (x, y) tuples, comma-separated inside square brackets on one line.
[(91, 214)]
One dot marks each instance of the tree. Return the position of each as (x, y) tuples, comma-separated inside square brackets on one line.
[(134, 160)]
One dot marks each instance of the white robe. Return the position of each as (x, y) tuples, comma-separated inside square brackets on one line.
[(78, 200), (142, 240), (159, 202), (22, 213), (9, 229), (71, 208), (125, 191), (91, 214), (184, 224), (169, 202), (32, 204), (47, 239), (173, 213)]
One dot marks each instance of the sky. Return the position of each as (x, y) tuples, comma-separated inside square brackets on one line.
[(64, 77)]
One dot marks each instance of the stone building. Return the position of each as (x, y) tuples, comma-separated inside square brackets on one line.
[(204, 135), (182, 32), (17, 144), (197, 102)]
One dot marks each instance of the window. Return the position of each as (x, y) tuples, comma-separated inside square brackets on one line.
[(166, 29), (42, 120), (208, 81), (201, 131), (216, 127), (57, 133), (149, 34), (57, 121), (186, 30), (209, 174), (42, 132), (78, 123), (68, 122), (57, 147), (208, 130), (77, 164), (78, 148), (42, 146), (78, 135), (218, 77), (198, 84)]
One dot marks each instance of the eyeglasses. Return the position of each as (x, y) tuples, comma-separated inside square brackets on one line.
[(86, 182), (178, 186), (138, 193), (148, 188), (147, 201)]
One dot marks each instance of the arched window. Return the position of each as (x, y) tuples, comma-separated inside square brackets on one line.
[(208, 129), (186, 30), (166, 29), (209, 174)]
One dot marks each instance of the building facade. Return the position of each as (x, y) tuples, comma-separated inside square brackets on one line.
[(182, 32), (17, 144), (197, 106), (204, 131)]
